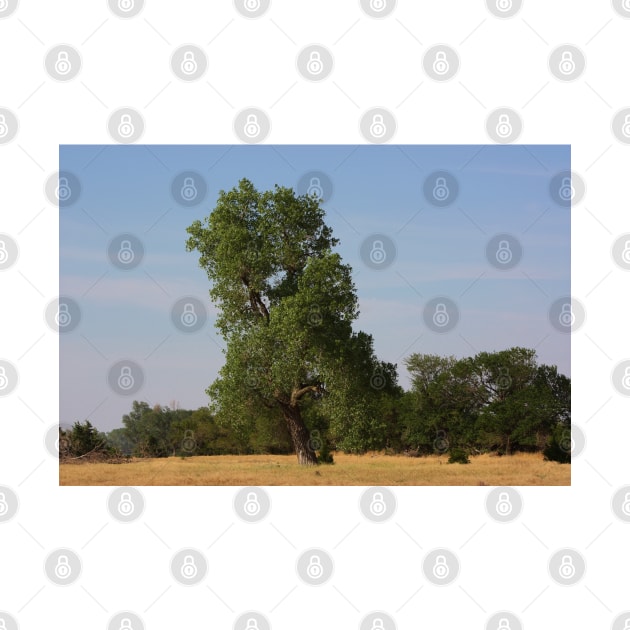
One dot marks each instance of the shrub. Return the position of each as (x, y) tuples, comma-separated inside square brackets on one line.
[(458, 456), (558, 447), (325, 454)]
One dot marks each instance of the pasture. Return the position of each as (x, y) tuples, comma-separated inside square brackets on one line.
[(372, 469)]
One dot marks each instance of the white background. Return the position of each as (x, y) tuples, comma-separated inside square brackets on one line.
[(252, 63)]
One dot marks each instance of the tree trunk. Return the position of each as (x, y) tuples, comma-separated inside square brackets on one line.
[(299, 435)]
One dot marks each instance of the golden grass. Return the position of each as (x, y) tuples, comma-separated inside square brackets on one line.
[(373, 469)]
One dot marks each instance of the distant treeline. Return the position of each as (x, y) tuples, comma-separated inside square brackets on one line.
[(499, 402)]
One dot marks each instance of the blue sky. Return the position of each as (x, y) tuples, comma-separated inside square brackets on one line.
[(441, 251)]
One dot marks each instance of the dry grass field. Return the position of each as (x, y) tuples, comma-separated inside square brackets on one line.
[(374, 469)]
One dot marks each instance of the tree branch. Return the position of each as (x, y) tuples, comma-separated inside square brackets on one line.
[(296, 394)]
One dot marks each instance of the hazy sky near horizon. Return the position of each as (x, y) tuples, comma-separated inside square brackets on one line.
[(370, 190)]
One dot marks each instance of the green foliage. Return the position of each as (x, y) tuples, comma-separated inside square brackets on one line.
[(500, 401), (325, 455), (160, 431), (286, 306), (558, 448), (80, 440), (458, 456)]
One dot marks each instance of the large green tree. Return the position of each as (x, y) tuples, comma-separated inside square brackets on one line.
[(286, 306)]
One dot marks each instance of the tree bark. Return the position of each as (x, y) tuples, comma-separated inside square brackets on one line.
[(299, 435)]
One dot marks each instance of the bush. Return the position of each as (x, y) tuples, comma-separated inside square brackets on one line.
[(458, 456), (325, 455), (558, 447)]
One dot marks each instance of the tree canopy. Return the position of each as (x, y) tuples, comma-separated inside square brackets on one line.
[(286, 307)]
